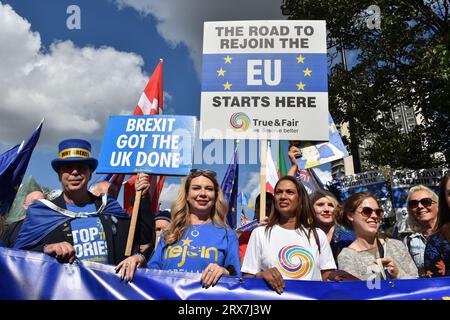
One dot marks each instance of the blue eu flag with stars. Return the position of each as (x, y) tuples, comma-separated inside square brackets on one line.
[(13, 164), (230, 189), (301, 73)]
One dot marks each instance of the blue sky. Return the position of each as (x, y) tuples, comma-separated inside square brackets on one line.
[(77, 78)]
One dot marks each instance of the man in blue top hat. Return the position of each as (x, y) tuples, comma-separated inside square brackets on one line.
[(78, 224)]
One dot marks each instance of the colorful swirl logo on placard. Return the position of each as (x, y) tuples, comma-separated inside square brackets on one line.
[(295, 262), (239, 121)]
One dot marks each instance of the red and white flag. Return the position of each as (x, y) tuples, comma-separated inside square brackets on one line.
[(271, 172), (151, 102)]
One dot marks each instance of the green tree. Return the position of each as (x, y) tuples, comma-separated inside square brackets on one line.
[(404, 62)]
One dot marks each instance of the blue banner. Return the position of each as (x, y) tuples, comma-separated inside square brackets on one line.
[(35, 276), (249, 226), (154, 144), (371, 181)]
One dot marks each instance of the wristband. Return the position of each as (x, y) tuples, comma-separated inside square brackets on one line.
[(143, 257)]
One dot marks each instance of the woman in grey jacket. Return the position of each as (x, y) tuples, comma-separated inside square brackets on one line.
[(371, 256)]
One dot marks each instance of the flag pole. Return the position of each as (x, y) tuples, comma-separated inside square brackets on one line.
[(262, 197), (134, 217)]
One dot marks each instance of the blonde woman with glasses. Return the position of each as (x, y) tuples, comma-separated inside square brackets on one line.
[(422, 204), (370, 256), (198, 238)]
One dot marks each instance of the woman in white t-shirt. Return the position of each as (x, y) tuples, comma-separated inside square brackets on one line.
[(287, 247)]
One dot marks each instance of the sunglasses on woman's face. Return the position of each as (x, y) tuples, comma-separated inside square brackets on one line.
[(199, 172), (426, 202), (367, 212)]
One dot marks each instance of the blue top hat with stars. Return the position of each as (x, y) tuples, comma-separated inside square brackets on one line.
[(74, 150)]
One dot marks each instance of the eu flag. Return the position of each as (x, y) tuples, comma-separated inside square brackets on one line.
[(301, 73), (230, 189), (13, 164)]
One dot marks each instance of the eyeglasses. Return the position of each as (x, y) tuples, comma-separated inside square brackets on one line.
[(69, 166), (198, 172), (426, 202), (367, 212)]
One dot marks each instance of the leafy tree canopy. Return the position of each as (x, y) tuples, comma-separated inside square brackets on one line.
[(404, 62)]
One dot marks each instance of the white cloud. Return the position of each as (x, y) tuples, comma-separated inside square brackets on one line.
[(324, 173), (14, 34), (167, 99), (181, 21), (168, 195), (75, 89), (252, 187)]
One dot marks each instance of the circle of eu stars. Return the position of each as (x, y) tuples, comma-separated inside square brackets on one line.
[(228, 60)]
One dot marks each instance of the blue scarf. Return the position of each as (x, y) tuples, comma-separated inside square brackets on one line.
[(41, 220)]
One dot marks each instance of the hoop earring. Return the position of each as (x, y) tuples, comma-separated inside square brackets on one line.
[(310, 221)]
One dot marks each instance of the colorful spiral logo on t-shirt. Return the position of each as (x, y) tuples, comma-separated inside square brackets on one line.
[(239, 121), (295, 262)]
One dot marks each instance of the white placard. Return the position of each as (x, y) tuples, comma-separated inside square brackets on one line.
[(264, 80)]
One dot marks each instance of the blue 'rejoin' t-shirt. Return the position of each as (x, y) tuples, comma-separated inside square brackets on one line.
[(88, 235), (199, 246)]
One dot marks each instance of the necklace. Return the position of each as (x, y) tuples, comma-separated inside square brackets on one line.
[(194, 232)]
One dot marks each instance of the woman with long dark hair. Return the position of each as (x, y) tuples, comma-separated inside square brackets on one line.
[(437, 251), (289, 246)]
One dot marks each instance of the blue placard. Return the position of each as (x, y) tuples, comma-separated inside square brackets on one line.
[(155, 144), (372, 181), (316, 155), (249, 226)]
